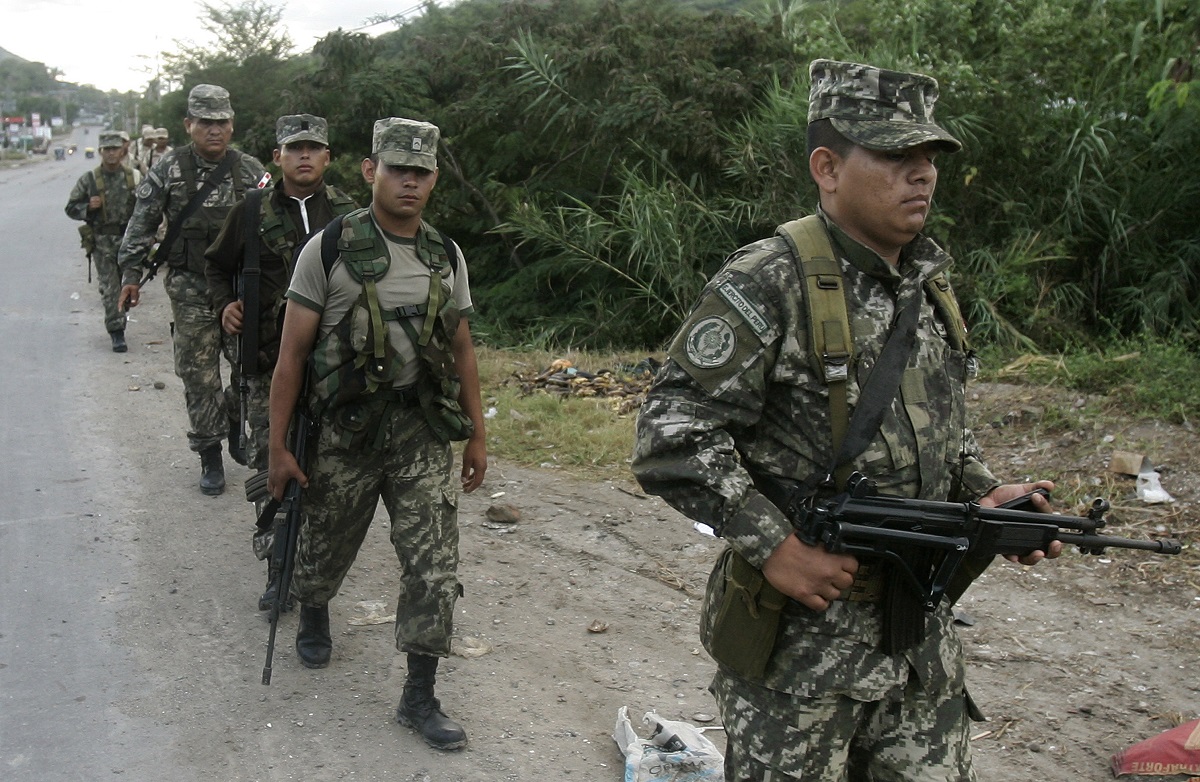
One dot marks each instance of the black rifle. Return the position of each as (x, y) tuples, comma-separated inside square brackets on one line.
[(283, 555), (248, 288), (87, 240), (861, 521)]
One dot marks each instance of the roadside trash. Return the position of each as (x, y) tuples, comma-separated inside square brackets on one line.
[(1126, 463), (371, 612), (1150, 491), (1177, 751), (675, 752)]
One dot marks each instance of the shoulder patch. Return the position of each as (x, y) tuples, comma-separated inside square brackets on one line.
[(750, 311), (711, 343), (145, 189)]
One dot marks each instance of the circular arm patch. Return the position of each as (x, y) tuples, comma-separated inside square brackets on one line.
[(711, 343)]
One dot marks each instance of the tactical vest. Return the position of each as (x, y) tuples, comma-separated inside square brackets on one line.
[(278, 232), (355, 366), (106, 225), (201, 229), (831, 344)]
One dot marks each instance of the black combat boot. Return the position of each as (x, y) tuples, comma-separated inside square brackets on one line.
[(212, 478), (236, 451), (118, 341), (313, 642), (422, 712)]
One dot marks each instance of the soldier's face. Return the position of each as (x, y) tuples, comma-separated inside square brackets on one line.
[(111, 157), (399, 192), (303, 163), (882, 198), (211, 137)]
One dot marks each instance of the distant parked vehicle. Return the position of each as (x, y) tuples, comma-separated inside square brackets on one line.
[(89, 152)]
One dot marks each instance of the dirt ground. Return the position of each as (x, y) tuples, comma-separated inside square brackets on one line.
[(588, 602)]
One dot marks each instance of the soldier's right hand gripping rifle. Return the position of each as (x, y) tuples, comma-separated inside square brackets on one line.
[(287, 533)]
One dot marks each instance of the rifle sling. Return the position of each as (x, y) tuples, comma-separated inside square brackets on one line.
[(251, 276), (176, 226)]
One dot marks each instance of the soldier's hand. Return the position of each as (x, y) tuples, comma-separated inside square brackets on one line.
[(231, 318), (811, 575), (95, 202), (1011, 491), (474, 464), (130, 296), (281, 468)]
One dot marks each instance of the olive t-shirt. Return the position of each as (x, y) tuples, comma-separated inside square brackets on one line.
[(406, 283)]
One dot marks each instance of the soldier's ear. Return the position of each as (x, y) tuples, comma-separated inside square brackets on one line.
[(824, 165)]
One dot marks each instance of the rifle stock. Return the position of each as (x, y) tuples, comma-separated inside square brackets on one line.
[(862, 522)]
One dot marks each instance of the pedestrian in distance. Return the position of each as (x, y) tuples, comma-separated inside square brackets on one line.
[(261, 236), (103, 199), (378, 309), (759, 391), (193, 187)]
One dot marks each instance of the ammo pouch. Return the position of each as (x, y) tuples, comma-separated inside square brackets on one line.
[(439, 402), (87, 238), (740, 632)]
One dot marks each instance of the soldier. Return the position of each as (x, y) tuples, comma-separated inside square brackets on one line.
[(382, 309), (158, 150), (194, 187), (139, 152), (759, 379), (299, 205), (104, 198)]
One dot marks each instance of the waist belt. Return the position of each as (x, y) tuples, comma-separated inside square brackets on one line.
[(867, 586), (405, 397), (109, 230)]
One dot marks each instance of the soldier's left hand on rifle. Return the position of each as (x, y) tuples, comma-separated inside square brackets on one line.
[(231, 317), (1011, 491)]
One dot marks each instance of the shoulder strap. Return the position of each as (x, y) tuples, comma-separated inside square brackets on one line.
[(947, 307), (251, 271), (329, 240), (829, 338)]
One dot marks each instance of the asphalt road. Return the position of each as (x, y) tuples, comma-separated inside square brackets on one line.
[(61, 670)]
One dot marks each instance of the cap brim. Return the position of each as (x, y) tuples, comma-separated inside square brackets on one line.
[(303, 137), (888, 136), (211, 115), (393, 158)]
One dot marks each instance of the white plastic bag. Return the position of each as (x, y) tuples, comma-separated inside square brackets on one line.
[(675, 751), (1150, 491)]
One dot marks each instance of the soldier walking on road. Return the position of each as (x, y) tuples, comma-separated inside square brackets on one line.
[(194, 187), (104, 199), (275, 226), (378, 305)]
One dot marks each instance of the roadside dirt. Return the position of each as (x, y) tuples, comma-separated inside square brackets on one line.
[(589, 602)]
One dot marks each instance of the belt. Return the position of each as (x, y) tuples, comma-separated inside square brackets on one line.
[(867, 586), (405, 397), (109, 230)]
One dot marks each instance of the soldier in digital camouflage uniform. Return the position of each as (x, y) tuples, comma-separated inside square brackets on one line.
[(299, 205), (103, 198), (213, 411), (740, 395), (394, 380)]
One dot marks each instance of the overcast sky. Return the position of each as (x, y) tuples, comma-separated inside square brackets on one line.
[(114, 46)]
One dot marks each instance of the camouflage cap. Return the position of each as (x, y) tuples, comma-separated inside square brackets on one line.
[(112, 138), (161, 133), (405, 142), (208, 101), (876, 108), (301, 127), (147, 131)]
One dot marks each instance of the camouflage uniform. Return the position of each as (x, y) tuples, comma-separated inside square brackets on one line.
[(740, 391), (198, 337), (108, 225), (383, 446)]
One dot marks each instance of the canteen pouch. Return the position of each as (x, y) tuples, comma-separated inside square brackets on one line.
[(741, 616)]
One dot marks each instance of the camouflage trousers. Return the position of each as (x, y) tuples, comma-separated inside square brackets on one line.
[(774, 736), (108, 276), (411, 472), (199, 344)]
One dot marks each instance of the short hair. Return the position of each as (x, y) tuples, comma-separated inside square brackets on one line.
[(822, 133)]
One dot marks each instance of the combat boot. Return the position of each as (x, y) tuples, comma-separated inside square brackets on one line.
[(212, 478), (313, 641), (118, 341), (422, 712)]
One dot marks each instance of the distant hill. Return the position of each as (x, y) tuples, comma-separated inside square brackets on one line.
[(5, 54)]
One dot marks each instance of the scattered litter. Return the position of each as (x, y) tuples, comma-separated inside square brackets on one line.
[(624, 389), (491, 413), (1177, 751), (597, 626), (135, 388), (371, 612), (703, 529), (1126, 463), (469, 647), (675, 752), (1150, 491)]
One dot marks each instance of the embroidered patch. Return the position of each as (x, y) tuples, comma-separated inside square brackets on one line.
[(145, 189), (711, 343), (749, 310)]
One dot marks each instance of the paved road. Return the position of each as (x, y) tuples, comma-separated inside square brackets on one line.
[(60, 669)]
